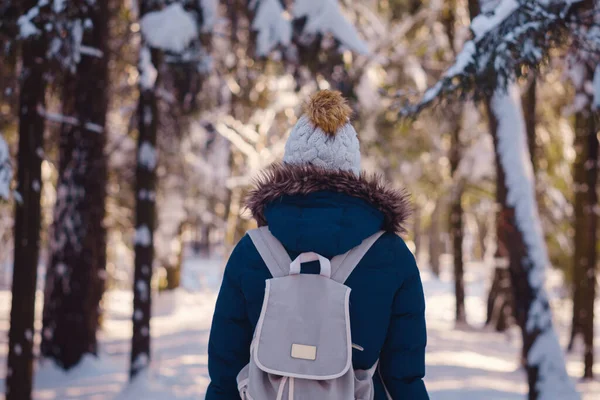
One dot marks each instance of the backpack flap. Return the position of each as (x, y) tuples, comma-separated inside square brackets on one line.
[(304, 328)]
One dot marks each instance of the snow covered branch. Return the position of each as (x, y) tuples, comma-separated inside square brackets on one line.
[(170, 29), (64, 119), (276, 26), (508, 42)]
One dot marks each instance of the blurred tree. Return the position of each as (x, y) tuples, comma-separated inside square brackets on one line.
[(585, 177), (149, 66), (486, 68), (77, 267), (456, 220), (170, 66), (32, 88), (529, 111)]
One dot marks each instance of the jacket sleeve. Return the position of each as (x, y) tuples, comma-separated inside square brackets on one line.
[(402, 359), (231, 332)]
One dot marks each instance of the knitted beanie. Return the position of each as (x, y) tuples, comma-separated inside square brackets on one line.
[(323, 136)]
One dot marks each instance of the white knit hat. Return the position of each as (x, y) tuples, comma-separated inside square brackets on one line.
[(323, 136)]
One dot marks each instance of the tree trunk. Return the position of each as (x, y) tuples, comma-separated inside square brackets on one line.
[(529, 112), (523, 245), (585, 177), (456, 229), (145, 212), (76, 271), (145, 217), (500, 303), (435, 244), (456, 216), (175, 261), (417, 231), (19, 375)]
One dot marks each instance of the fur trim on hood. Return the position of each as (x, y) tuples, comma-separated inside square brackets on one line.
[(286, 179)]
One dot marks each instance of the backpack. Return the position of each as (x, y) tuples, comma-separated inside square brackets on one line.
[(302, 345)]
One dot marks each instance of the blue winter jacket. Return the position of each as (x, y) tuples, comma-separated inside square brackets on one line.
[(309, 209)]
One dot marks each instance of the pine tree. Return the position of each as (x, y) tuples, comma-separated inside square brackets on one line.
[(76, 270), (486, 69), (19, 377)]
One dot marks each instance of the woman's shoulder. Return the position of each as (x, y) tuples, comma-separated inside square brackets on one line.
[(391, 251)]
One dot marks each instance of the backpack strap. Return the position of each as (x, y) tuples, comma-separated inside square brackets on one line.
[(343, 265), (272, 251)]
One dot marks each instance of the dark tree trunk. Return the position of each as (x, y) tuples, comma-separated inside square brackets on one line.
[(511, 247), (27, 220), (456, 217), (456, 229), (145, 210), (435, 243), (591, 257), (500, 304), (529, 112), (585, 176), (76, 271), (145, 220), (500, 299)]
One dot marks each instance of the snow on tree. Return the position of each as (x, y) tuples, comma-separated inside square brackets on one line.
[(544, 360), (272, 25), (508, 39), (306, 20), (5, 170), (325, 16), (170, 29)]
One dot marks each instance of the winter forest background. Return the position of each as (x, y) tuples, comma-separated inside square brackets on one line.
[(131, 131)]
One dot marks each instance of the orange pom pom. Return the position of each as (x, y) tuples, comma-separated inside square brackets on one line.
[(328, 110)]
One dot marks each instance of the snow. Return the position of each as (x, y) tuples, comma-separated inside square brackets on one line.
[(596, 88), (26, 26), (325, 16), (148, 72), (171, 29), (142, 288), (515, 158), (209, 14), (143, 236), (271, 25), (471, 363), (58, 5), (484, 23), (463, 59), (91, 51), (5, 170), (147, 156)]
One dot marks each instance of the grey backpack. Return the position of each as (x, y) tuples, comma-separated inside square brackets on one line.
[(302, 349)]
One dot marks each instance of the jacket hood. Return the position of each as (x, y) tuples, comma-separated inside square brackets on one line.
[(310, 208)]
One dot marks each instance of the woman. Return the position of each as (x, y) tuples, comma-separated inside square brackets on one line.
[(318, 201)]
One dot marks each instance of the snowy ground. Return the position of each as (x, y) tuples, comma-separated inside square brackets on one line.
[(462, 364)]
